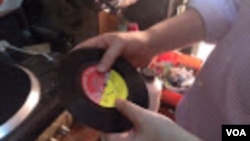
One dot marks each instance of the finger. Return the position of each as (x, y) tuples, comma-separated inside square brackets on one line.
[(98, 41), (110, 56), (133, 112), (125, 3), (117, 137)]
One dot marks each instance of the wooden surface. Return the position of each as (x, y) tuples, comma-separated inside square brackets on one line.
[(64, 119), (80, 133), (107, 23), (76, 132)]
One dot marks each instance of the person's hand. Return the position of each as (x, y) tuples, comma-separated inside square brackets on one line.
[(133, 46), (154, 104), (149, 126), (120, 3), (126, 3)]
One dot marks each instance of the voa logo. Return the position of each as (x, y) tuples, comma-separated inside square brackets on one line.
[(236, 132)]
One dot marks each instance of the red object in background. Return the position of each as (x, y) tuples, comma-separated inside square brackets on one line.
[(169, 98), (178, 58), (167, 113), (133, 27), (1, 2), (169, 101)]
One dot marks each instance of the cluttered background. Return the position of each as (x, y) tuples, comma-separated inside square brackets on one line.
[(36, 33)]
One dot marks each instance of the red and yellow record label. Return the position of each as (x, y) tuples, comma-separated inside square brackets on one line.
[(104, 88)]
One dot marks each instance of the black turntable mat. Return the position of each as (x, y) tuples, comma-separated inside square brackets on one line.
[(14, 89)]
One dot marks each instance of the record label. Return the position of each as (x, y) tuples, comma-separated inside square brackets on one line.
[(104, 88)]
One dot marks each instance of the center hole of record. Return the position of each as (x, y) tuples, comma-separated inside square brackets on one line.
[(103, 88)]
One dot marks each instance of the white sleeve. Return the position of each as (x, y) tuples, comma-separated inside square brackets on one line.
[(218, 16)]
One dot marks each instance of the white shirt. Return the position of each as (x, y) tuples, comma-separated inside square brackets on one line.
[(221, 93)]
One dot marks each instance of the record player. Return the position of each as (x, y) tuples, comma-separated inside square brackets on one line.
[(28, 89), (20, 94), (29, 102)]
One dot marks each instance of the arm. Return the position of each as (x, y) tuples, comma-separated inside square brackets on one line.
[(218, 16), (176, 32), (141, 46), (209, 20)]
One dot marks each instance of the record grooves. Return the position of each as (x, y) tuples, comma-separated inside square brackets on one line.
[(90, 95)]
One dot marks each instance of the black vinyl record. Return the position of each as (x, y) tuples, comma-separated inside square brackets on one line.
[(90, 95)]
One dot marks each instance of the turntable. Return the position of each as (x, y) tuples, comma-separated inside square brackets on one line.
[(28, 98), (19, 95)]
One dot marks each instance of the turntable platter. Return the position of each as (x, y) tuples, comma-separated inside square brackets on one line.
[(19, 95), (14, 89)]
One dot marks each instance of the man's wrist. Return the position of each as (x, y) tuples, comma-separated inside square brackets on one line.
[(152, 44)]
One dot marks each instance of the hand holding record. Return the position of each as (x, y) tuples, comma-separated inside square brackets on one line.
[(149, 126), (89, 95), (135, 47)]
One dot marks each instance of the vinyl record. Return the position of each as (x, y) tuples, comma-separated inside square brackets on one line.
[(90, 95)]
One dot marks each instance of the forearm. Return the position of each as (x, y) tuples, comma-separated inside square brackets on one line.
[(176, 32)]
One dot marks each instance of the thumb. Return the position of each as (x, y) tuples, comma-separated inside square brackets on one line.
[(133, 112), (109, 57), (98, 41)]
